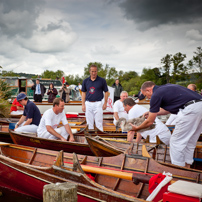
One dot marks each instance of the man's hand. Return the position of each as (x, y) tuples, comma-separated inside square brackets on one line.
[(71, 139), (83, 108), (104, 106), (146, 114), (63, 139), (134, 127)]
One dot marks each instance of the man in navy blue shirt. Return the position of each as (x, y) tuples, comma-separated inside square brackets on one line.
[(187, 104), (31, 117), (92, 95)]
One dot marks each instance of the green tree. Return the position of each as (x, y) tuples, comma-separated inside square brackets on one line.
[(52, 75), (179, 72), (166, 61), (196, 61), (9, 73), (152, 75)]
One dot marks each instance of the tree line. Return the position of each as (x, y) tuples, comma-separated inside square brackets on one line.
[(172, 70)]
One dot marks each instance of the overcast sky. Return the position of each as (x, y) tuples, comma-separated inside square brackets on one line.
[(38, 35)]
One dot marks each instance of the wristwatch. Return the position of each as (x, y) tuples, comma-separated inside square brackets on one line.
[(17, 124)]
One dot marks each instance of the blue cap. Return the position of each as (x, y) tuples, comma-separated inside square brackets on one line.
[(21, 96)]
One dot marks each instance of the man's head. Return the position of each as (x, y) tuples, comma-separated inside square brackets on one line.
[(192, 87), (128, 103), (116, 81), (22, 98), (123, 96), (37, 81), (147, 88), (93, 71), (58, 105)]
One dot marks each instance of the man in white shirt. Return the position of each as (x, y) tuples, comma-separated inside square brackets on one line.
[(134, 111), (48, 127), (119, 111)]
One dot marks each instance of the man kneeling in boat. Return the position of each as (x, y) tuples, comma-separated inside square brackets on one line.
[(30, 119), (48, 127), (134, 111)]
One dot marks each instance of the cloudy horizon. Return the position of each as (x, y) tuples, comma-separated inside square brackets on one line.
[(68, 34)]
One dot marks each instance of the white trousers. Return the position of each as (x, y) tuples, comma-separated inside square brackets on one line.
[(61, 130), (28, 128), (94, 113), (186, 133), (18, 112)]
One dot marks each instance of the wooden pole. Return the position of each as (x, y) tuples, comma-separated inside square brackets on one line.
[(60, 192)]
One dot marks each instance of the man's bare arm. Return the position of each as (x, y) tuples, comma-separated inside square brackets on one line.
[(148, 122), (69, 131), (83, 101)]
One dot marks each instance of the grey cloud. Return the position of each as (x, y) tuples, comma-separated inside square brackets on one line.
[(18, 17), (148, 14), (194, 35)]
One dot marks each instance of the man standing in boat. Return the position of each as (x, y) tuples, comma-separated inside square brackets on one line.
[(31, 117), (39, 91), (187, 104), (48, 127), (92, 95), (119, 111)]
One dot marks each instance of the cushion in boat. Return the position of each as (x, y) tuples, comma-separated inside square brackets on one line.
[(186, 188), (74, 131)]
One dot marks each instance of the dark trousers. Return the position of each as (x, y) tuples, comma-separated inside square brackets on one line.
[(116, 98), (37, 98)]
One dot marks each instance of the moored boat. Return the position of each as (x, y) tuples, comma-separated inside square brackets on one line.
[(22, 166)]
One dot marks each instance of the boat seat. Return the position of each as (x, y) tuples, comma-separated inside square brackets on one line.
[(186, 188)]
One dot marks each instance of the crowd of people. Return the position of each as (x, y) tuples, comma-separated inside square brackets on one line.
[(182, 103)]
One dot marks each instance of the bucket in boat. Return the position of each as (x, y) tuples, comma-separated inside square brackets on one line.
[(12, 126)]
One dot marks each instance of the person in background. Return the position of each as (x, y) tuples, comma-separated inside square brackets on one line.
[(92, 95), (48, 127), (65, 92), (192, 87), (134, 111), (119, 111), (39, 91), (31, 117), (117, 90), (175, 99), (139, 96), (52, 92), (16, 107), (79, 85)]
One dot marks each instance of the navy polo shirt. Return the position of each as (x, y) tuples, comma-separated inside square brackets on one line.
[(94, 89), (171, 97), (32, 111)]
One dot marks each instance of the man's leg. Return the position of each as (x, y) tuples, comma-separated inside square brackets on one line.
[(98, 111), (28, 128), (89, 114), (62, 131), (39, 98), (186, 127)]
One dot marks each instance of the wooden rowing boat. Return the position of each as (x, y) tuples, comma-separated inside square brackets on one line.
[(27, 170), (20, 165), (158, 152), (80, 146)]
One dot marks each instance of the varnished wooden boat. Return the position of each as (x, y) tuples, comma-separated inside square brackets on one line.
[(27, 170), (80, 146), (158, 152), (20, 165)]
